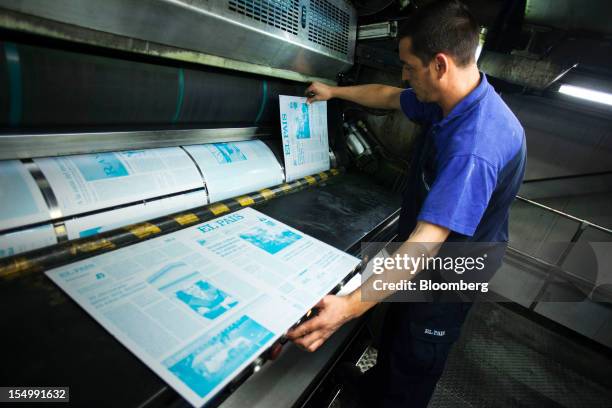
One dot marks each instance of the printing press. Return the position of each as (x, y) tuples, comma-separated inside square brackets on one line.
[(127, 124), (83, 82)]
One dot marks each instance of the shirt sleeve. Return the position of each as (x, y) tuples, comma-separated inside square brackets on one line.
[(416, 110), (460, 194)]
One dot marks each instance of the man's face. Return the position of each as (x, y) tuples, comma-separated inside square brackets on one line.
[(418, 75)]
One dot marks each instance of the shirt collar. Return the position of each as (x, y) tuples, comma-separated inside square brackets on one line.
[(467, 103)]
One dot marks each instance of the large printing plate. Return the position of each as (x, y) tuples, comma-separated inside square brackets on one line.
[(199, 305)]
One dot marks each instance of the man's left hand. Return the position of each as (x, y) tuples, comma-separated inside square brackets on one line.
[(333, 312)]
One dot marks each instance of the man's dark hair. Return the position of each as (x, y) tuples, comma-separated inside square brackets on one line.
[(445, 26)]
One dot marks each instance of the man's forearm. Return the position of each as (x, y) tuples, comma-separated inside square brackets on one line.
[(373, 95), (357, 304), (425, 240)]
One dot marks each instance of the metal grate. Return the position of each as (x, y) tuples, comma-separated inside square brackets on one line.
[(367, 359), (328, 26), (503, 359), (282, 14)]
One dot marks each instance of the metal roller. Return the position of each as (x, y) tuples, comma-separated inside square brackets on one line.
[(46, 258), (45, 88)]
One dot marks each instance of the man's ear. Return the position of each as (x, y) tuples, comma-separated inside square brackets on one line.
[(441, 64)]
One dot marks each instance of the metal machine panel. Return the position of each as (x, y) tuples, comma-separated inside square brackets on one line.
[(312, 37)]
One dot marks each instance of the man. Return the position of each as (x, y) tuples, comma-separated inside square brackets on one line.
[(465, 176)]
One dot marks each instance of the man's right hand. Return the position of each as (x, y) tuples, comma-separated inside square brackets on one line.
[(318, 91)]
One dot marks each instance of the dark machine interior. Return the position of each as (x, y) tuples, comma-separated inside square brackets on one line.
[(86, 77)]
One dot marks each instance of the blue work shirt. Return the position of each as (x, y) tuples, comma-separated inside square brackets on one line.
[(468, 167)]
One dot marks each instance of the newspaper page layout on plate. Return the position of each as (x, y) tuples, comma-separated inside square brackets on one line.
[(305, 139), (97, 223), (21, 201), (199, 305), (26, 240), (235, 168), (94, 181)]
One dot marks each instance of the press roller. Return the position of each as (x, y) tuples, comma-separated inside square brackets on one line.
[(123, 121)]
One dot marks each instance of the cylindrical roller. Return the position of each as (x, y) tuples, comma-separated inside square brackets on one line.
[(52, 88), (72, 251)]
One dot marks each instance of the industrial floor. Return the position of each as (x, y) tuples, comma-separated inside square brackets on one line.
[(504, 359)]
